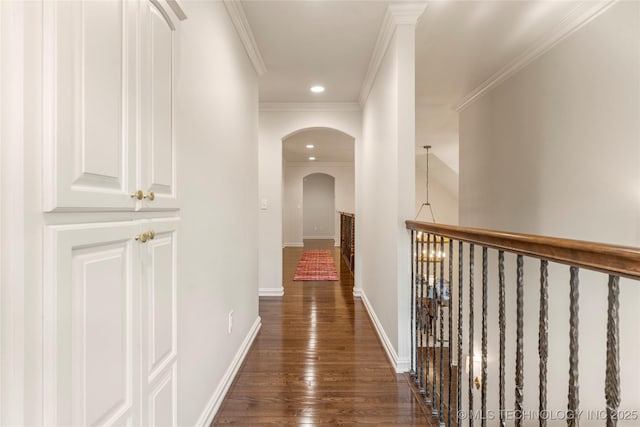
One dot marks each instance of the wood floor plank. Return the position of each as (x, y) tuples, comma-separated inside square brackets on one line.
[(318, 361)]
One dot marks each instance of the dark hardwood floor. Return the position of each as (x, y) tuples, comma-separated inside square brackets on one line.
[(318, 361)]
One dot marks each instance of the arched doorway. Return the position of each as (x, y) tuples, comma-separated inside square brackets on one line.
[(318, 206), (310, 151), (280, 222)]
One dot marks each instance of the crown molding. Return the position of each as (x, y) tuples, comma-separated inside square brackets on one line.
[(239, 19), (308, 106), (384, 38), (397, 14), (178, 10), (317, 164), (407, 13), (576, 19)]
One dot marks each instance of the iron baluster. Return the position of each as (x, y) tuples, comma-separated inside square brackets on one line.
[(450, 330), (460, 322), (485, 280), (440, 300), (574, 389), (428, 398), (612, 380), (471, 303), (419, 381), (519, 341), (543, 338), (433, 322), (502, 326), (412, 306)]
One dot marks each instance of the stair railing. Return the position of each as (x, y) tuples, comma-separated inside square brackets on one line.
[(348, 238), (433, 371)]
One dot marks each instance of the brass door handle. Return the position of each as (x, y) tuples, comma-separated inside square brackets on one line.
[(152, 234), (143, 237), (140, 195)]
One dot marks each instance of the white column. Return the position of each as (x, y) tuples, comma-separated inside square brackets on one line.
[(385, 180), (405, 39)]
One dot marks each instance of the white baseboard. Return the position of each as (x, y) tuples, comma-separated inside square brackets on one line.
[(357, 292), (210, 411), (319, 238), (399, 365), (300, 245), (271, 292), (404, 365)]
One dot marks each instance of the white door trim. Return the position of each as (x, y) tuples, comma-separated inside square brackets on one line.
[(12, 198)]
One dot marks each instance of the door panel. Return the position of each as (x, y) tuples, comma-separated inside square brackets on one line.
[(102, 60), (162, 401), (159, 317), (158, 160), (109, 304), (91, 324), (87, 102), (100, 318), (161, 297), (161, 102)]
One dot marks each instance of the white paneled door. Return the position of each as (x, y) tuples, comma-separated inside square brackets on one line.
[(108, 106), (159, 323), (89, 105), (110, 319), (157, 164), (111, 323), (92, 351)]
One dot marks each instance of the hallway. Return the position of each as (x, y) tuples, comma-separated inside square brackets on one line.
[(317, 361)]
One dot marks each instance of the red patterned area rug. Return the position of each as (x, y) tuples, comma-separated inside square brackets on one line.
[(316, 265)]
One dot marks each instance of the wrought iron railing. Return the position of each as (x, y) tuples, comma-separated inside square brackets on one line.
[(348, 238), (437, 362)]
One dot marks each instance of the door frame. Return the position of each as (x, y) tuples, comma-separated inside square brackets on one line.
[(12, 212)]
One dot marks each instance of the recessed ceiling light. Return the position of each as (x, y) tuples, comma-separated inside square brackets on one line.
[(317, 89), (312, 158), (309, 145)]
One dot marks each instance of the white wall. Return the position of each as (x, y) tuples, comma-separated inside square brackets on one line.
[(216, 133), (386, 198), (443, 191), (318, 206), (555, 150), (294, 172), (217, 130), (274, 126)]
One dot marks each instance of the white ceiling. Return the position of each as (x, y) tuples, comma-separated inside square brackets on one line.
[(459, 45), (329, 146), (307, 43)]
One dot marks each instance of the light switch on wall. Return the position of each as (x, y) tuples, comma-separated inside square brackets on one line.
[(264, 203)]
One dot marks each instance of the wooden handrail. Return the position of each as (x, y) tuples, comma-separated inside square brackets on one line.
[(610, 259)]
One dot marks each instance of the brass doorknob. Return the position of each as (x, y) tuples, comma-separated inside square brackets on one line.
[(138, 195), (152, 234), (151, 196), (143, 237)]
